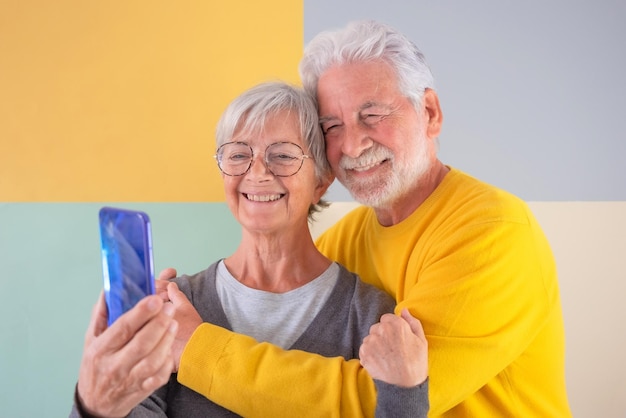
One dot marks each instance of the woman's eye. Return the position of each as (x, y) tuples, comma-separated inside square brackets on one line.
[(239, 157), (282, 157)]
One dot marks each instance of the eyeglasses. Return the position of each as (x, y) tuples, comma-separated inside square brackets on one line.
[(282, 159)]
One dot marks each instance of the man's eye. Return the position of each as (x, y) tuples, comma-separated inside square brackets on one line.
[(373, 117), (326, 128)]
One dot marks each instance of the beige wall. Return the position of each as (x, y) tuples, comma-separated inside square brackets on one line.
[(589, 244)]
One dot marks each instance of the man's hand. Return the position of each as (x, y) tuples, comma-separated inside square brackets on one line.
[(185, 314), (396, 350), (161, 283), (125, 363), (187, 318)]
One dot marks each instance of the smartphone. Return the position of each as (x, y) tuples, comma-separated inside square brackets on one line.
[(127, 263)]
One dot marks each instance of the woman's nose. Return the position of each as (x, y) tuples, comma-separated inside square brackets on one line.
[(258, 167)]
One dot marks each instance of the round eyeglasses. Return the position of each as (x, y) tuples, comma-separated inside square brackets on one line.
[(282, 159)]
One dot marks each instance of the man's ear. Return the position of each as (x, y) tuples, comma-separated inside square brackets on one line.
[(433, 112)]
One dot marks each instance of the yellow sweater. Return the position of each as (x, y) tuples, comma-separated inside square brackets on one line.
[(472, 264)]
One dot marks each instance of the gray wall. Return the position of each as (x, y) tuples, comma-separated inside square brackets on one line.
[(533, 93)]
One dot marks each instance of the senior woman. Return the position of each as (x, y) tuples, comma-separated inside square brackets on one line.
[(276, 287)]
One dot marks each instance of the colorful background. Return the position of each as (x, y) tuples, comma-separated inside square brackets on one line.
[(116, 102)]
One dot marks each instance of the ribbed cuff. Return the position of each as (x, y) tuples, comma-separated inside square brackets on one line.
[(201, 357), (395, 401)]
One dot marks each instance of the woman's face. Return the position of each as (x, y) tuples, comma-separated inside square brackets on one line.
[(262, 202)]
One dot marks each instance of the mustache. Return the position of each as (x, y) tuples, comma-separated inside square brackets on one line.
[(370, 156)]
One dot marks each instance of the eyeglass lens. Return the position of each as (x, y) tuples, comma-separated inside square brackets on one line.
[(283, 159)]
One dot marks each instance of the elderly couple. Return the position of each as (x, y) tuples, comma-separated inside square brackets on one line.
[(288, 327)]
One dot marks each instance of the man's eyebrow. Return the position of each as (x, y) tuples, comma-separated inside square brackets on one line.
[(364, 106), (325, 119), (370, 104)]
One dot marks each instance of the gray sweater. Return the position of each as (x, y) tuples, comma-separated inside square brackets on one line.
[(337, 330)]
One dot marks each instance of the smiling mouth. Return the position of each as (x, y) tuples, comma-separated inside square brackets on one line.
[(263, 197), (362, 168)]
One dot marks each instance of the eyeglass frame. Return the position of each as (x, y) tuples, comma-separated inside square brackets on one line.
[(253, 155)]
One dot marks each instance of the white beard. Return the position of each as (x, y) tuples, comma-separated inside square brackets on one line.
[(392, 182)]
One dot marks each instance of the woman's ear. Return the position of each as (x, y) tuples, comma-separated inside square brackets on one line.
[(323, 186), (433, 112)]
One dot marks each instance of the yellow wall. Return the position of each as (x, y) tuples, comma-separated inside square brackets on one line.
[(112, 102), (118, 100)]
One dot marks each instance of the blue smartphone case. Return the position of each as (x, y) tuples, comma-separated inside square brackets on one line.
[(127, 263)]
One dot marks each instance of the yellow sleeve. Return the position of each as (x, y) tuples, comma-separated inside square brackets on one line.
[(482, 280), (481, 309), (491, 310), (259, 379)]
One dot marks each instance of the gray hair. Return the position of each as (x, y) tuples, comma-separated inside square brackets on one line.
[(250, 111), (367, 41)]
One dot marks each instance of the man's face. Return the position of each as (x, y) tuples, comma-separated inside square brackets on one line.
[(376, 141)]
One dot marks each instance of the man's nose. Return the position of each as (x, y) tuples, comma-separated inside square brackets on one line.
[(356, 139)]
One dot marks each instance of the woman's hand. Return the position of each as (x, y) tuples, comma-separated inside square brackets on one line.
[(396, 350), (125, 363)]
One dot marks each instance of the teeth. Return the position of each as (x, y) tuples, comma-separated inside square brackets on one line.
[(362, 164), (263, 198), (364, 167)]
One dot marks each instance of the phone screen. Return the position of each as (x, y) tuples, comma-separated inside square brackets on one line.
[(127, 264)]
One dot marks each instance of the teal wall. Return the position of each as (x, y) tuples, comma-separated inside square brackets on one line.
[(51, 278)]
